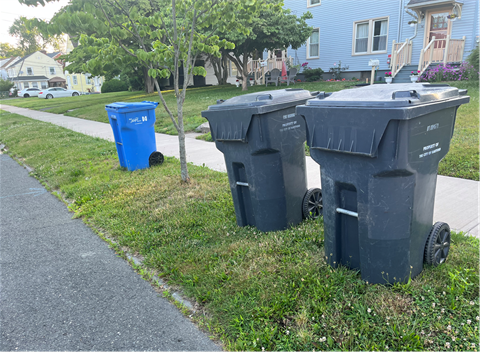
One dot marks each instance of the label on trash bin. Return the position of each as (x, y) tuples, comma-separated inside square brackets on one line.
[(430, 149), (287, 126), (138, 120)]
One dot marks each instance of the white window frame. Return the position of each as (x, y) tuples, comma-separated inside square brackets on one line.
[(26, 85), (74, 80), (31, 68), (308, 45), (54, 70), (370, 22), (44, 85), (35, 85), (309, 3), (88, 80)]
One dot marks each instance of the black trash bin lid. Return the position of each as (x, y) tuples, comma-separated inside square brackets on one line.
[(387, 95), (269, 98)]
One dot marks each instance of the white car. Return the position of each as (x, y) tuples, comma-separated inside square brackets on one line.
[(57, 92), (28, 92)]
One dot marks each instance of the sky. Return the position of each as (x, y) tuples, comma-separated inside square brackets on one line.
[(12, 9)]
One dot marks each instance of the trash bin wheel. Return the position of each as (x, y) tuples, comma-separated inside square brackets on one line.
[(438, 244), (156, 158), (312, 203)]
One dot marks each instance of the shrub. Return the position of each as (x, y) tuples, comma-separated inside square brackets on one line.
[(472, 59), (5, 85), (314, 74), (114, 85), (464, 72)]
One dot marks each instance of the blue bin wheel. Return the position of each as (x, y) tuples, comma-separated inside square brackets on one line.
[(312, 204), (156, 158), (438, 244)]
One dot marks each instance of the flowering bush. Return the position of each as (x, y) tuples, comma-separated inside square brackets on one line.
[(449, 73), (388, 74), (305, 66)]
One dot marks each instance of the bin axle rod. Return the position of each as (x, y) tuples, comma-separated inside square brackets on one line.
[(242, 184), (347, 212)]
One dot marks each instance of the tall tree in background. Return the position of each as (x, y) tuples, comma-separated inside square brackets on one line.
[(274, 28), (31, 38), (6, 50)]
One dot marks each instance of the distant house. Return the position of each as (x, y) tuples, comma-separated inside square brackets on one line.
[(84, 82), (398, 33), (5, 64), (37, 70)]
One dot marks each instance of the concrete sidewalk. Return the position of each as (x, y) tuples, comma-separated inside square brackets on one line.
[(456, 200), (62, 288)]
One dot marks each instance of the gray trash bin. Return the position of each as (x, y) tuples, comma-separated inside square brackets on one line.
[(263, 143), (379, 148)]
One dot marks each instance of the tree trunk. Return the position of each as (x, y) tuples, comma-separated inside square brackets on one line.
[(220, 68), (149, 85), (225, 68), (245, 72), (181, 141)]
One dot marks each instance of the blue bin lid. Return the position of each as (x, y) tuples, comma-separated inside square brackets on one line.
[(122, 107), (388, 95)]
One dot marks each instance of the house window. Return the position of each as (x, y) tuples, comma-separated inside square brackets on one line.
[(44, 85), (29, 71), (25, 85), (370, 36), (75, 80), (35, 85), (313, 44), (311, 3), (89, 81), (52, 70)]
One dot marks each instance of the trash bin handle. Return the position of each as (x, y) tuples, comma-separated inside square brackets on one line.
[(264, 97), (219, 101), (322, 95), (462, 91), (405, 94)]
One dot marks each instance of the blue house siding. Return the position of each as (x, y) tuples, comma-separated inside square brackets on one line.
[(466, 26), (335, 20)]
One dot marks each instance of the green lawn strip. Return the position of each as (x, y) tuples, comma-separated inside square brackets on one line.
[(270, 290)]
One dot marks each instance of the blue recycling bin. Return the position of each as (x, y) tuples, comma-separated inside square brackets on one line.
[(134, 132)]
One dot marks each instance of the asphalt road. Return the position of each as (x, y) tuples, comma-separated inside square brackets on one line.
[(63, 288)]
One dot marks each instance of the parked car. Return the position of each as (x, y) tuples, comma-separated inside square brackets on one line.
[(57, 92), (28, 92)]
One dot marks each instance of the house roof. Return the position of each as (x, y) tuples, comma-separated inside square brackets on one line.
[(23, 58), (431, 2), (52, 55), (4, 63), (30, 78), (57, 79)]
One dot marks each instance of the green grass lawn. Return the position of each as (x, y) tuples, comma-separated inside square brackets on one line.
[(461, 161), (255, 290)]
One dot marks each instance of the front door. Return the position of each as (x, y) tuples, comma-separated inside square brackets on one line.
[(438, 26)]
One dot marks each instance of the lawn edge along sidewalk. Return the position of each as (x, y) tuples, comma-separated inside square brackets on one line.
[(456, 199)]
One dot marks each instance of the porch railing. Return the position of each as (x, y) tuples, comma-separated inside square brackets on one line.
[(441, 51), (401, 55)]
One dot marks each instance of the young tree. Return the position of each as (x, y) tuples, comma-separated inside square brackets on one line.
[(274, 28), (167, 41)]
